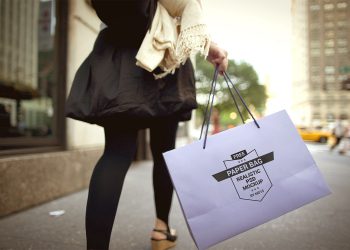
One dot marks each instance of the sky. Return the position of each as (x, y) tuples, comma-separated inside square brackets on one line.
[(258, 32)]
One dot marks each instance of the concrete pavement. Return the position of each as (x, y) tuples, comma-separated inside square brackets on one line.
[(324, 224)]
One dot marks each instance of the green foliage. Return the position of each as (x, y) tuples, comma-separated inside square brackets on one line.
[(245, 79)]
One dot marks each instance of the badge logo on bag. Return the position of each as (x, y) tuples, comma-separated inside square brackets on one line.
[(248, 174)]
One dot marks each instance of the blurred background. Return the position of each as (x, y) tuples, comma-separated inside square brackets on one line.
[(284, 54), (290, 55)]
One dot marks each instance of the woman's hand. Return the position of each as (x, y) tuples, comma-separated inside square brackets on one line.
[(218, 57)]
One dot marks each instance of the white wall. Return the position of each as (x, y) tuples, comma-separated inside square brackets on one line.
[(82, 32)]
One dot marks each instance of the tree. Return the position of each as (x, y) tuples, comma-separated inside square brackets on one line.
[(245, 79)]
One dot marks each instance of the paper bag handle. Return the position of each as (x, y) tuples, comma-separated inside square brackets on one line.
[(210, 102), (209, 107), (227, 78), (234, 99)]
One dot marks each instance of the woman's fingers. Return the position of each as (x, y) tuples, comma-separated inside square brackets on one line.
[(218, 57), (221, 63)]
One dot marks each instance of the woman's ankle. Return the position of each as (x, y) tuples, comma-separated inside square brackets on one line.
[(160, 224)]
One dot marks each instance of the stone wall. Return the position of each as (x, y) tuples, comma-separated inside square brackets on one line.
[(29, 180)]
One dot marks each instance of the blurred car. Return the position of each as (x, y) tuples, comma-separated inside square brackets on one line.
[(316, 135)]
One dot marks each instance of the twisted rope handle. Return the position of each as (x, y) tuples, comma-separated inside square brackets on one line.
[(210, 103)]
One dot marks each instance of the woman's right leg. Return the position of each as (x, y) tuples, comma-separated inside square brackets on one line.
[(163, 137), (106, 185)]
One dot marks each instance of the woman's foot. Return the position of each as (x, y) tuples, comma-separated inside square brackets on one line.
[(165, 241), (159, 225), (161, 234), (162, 237)]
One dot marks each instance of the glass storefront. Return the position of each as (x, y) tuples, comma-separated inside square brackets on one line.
[(30, 86)]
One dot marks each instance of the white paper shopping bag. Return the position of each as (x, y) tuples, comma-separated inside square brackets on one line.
[(244, 177)]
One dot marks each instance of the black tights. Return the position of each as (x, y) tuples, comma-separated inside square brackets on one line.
[(108, 177)]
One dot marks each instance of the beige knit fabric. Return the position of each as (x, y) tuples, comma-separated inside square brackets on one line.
[(178, 31)]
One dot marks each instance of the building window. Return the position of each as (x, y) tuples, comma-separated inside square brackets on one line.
[(342, 24), (342, 33), (329, 6), (332, 86), (315, 61), (316, 115), (315, 79), (330, 79), (314, 7), (329, 17), (315, 25), (330, 60), (342, 42), (31, 90), (342, 78), (315, 35), (330, 34), (329, 51), (315, 44), (315, 52), (344, 116), (314, 17), (315, 70), (342, 5), (341, 15), (329, 43), (342, 50), (316, 85), (344, 63), (329, 70), (330, 102), (330, 117), (329, 25)]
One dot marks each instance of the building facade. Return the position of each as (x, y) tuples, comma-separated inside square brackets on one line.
[(43, 155), (321, 61)]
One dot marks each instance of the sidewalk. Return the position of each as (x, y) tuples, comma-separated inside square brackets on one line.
[(323, 224), (36, 229)]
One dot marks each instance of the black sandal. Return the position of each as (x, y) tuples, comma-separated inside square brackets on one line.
[(168, 242)]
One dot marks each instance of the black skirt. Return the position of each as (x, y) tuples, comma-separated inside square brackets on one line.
[(109, 87)]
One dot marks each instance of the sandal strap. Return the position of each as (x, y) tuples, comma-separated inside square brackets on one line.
[(167, 233), (161, 230)]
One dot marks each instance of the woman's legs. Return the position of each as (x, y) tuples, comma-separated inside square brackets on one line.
[(163, 135), (106, 185)]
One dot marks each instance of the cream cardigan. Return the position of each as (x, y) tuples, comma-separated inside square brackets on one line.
[(178, 31)]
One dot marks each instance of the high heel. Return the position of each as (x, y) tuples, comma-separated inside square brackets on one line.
[(163, 244)]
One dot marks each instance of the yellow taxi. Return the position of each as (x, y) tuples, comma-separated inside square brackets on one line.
[(316, 135)]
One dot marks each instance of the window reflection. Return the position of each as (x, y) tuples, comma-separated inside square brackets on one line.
[(27, 68)]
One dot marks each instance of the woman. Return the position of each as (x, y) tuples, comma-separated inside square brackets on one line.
[(345, 146), (124, 98)]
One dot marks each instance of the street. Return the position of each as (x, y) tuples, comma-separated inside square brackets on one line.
[(323, 224)]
